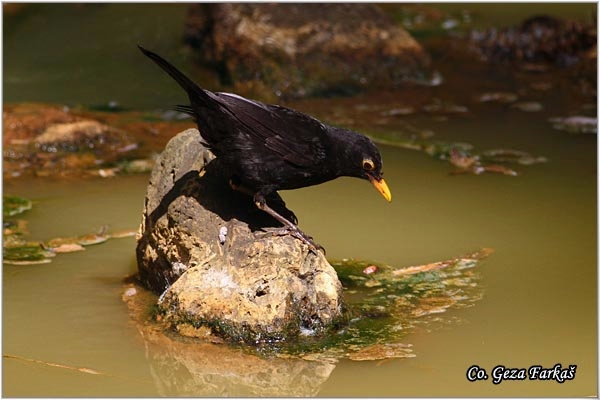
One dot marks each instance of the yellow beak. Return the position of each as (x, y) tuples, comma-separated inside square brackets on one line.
[(381, 187)]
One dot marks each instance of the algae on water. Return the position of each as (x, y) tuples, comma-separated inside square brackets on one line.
[(14, 205), (19, 251)]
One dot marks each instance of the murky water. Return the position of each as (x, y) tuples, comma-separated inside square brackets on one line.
[(540, 285)]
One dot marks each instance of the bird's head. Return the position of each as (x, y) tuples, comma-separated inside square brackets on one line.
[(361, 159)]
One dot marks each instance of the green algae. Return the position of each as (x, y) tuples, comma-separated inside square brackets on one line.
[(14, 205), (28, 253), (384, 306)]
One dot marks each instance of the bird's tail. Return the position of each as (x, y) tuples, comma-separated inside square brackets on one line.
[(197, 95)]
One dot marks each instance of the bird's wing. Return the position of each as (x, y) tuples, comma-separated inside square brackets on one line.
[(296, 137)]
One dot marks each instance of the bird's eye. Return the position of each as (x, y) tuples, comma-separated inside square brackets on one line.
[(368, 165)]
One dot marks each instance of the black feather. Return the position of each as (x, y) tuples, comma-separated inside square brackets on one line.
[(269, 147)]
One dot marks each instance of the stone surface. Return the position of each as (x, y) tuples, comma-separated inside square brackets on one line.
[(46, 140), (303, 49), (204, 247)]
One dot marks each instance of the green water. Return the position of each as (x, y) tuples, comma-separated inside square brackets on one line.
[(540, 286)]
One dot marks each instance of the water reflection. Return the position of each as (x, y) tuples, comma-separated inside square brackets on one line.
[(181, 367), (386, 304)]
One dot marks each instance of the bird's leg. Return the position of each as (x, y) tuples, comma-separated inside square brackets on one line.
[(261, 204), (274, 199), (289, 227), (278, 204)]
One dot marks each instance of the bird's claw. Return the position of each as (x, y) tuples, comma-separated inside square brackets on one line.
[(298, 234)]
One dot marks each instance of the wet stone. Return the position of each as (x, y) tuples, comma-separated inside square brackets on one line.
[(204, 247), (44, 140), (298, 50), (72, 136)]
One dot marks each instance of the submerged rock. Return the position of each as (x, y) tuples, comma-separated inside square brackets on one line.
[(204, 247), (303, 49)]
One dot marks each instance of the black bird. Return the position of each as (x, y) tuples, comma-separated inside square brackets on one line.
[(269, 147)]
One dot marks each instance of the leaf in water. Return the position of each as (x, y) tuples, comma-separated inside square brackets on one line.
[(122, 234), (19, 252), (422, 268), (433, 305), (88, 240), (443, 150), (528, 106), (576, 124), (94, 238), (481, 254), (498, 97), (58, 242), (441, 107), (500, 169), (68, 248), (511, 155), (68, 244), (399, 111), (463, 160)]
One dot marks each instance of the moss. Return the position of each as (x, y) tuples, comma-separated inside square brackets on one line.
[(28, 252), (14, 205)]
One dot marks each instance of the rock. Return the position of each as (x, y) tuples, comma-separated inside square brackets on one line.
[(297, 50), (74, 136), (242, 283), (539, 39), (23, 122), (47, 140)]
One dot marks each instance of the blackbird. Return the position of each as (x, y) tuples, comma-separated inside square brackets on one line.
[(269, 147)]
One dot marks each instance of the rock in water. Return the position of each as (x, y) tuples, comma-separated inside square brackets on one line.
[(296, 50), (202, 247)]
